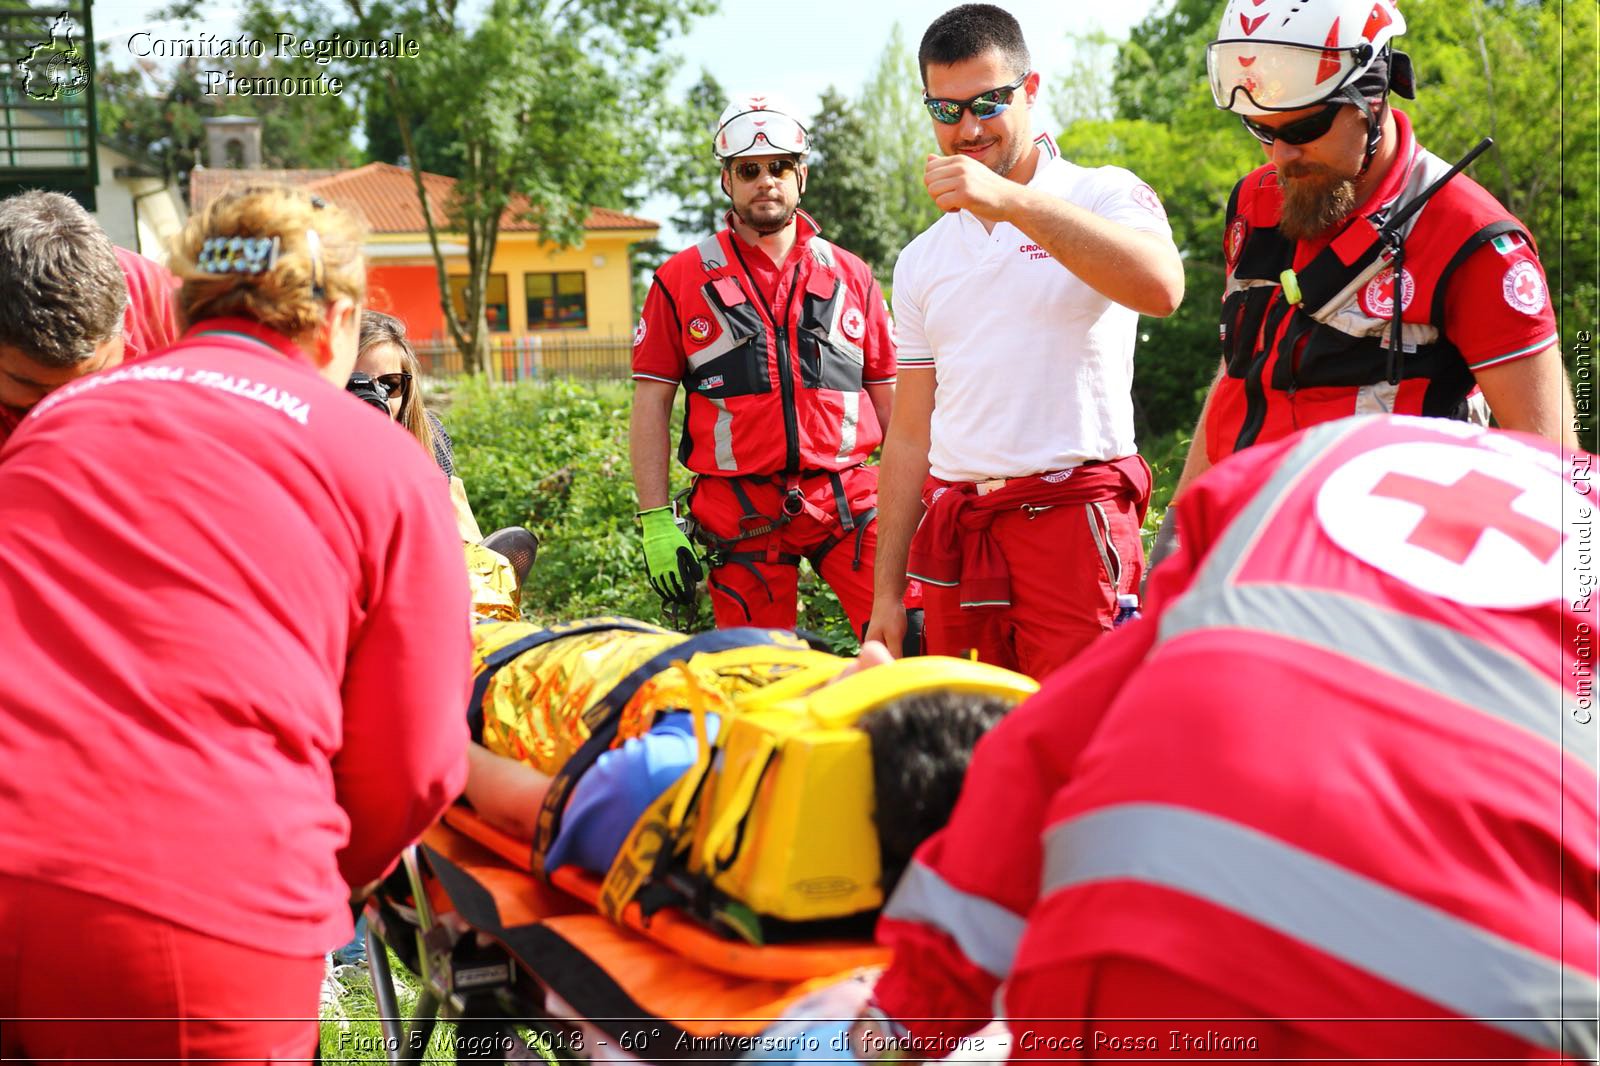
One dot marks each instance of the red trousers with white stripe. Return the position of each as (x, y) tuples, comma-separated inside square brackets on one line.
[(1068, 563)]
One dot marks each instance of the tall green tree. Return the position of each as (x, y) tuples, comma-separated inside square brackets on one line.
[(846, 187), (684, 168), (538, 108)]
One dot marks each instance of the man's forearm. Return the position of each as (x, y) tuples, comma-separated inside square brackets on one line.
[(649, 451), (900, 479), (1139, 270)]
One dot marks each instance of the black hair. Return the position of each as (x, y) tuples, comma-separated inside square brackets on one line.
[(969, 31), (921, 747)]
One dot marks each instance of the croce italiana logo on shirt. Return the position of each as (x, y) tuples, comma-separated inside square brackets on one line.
[(1234, 244), (1523, 288), (1377, 299), (853, 324), (638, 332), (699, 329)]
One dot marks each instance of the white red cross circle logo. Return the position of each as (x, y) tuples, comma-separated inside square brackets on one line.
[(1377, 299), (1523, 288), (1459, 522), (853, 324)]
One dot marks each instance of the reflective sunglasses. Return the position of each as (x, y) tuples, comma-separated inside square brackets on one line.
[(750, 170), (395, 384), (984, 106), (1300, 131)]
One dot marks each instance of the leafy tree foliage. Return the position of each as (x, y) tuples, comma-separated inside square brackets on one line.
[(158, 112), (535, 107), (685, 168)]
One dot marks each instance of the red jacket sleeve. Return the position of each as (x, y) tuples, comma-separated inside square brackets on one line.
[(407, 680), (956, 917), (880, 365), (657, 339), (151, 321)]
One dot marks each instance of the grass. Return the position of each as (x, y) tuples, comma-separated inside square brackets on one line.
[(350, 1029)]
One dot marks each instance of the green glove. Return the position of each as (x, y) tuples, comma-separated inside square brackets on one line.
[(669, 558)]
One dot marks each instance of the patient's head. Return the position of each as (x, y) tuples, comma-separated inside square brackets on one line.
[(921, 746)]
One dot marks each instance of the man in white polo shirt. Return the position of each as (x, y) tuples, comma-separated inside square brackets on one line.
[(1015, 317)]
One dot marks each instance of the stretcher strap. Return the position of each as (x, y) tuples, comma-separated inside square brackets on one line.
[(498, 658), (604, 717)]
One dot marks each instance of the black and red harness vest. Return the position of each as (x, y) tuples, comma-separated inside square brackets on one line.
[(1327, 354)]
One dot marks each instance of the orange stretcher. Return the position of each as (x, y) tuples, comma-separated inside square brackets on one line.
[(495, 946)]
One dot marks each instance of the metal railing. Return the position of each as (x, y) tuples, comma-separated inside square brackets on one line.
[(533, 356)]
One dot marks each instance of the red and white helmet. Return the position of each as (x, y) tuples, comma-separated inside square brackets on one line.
[(1282, 55), (759, 124)]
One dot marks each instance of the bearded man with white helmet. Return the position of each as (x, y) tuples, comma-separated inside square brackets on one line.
[(777, 337), (1313, 240)]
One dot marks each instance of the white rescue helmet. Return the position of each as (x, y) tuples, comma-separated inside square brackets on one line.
[(1283, 55), (759, 124)]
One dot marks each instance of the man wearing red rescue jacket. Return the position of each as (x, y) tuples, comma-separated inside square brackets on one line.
[(1315, 238), (782, 344), (1340, 777)]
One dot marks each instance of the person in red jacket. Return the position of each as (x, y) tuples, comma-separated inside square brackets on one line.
[(1340, 778), (76, 302), (1310, 310), (236, 620), (781, 342)]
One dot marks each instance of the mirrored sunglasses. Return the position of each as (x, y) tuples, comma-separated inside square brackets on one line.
[(984, 106), (750, 169), (1300, 131)]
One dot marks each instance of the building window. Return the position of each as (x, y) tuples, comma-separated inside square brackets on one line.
[(496, 304), (557, 301)]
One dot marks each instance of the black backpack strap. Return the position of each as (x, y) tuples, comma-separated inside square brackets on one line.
[(501, 656), (605, 716)]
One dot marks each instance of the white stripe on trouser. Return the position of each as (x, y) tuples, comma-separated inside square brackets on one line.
[(1348, 916)]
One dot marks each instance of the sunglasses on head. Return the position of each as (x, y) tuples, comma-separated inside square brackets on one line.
[(750, 169), (984, 106), (395, 384), (1300, 131)]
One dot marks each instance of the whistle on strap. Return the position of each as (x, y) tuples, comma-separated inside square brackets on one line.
[(1291, 286)]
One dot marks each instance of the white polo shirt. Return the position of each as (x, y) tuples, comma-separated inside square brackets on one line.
[(1034, 368)]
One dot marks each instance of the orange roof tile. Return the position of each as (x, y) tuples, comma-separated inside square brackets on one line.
[(384, 196)]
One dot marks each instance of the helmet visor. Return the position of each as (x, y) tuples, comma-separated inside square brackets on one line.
[(1252, 77), (761, 133)]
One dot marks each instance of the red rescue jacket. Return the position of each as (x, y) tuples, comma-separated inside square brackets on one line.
[(772, 388), (1343, 768), (1287, 370)]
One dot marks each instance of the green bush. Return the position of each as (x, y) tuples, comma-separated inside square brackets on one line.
[(553, 456)]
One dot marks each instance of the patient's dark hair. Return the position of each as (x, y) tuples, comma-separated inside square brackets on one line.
[(921, 746), (969, 31)]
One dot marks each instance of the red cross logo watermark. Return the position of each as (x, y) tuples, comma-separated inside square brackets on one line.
[(1456, 520)]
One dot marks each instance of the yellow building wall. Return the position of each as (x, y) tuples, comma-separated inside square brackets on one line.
[(602, 258)]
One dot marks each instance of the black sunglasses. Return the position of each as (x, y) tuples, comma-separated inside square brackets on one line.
[(984, 106), (395, 384), (750, 170), (1300, 131)]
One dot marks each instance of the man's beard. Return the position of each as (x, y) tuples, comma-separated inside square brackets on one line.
[(1315, 198), (766, 227)]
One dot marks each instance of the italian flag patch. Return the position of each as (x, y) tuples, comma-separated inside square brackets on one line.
[(1507, 243)]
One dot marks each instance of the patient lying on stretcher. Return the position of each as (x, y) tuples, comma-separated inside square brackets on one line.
[(536, 711)]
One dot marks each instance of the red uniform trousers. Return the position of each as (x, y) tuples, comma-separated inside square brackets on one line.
[(92, 979), (759, 585), (1067, 563)]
